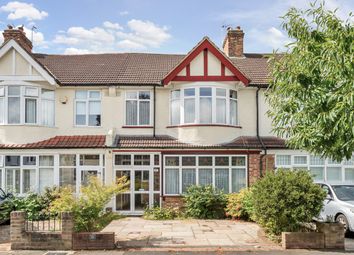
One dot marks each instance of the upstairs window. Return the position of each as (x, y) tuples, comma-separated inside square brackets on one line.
[(88, 108), (21, 105), (137, 108), (204, 105)]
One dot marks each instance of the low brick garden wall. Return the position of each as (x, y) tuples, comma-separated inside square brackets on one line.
[(93, 241), (4, 233)]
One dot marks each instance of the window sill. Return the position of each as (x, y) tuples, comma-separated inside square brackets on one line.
[(203, 125), (87, 126), (26, 125), (137, 126)]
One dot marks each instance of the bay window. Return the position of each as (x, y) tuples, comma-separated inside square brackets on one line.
[(23, 105), (203, 105), (226, 173), (137, 104), (88, 108)]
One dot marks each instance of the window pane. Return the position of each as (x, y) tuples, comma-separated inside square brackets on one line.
[(315, 160), (221, 92), (349, 174), (205, 161), (238, 179), (188, 161), (131, 113), (175, 112), (222, 179), (12, 180), (141, 201), (81, 94), (317, 173), (94, 113), (300, 160), (220, 110), (205, 177), (122, 160), (205, 92), (205, 110), (123, 202), (221, 161), (47, 111), (80, 113), (2, 91), (189, 110), (172, 181), (94, 94), (175, 94), (12, 161), (131, 95), (334, 173), (46, 161), (14, 110), (172, 161), (2, 110), (188, 179), (233, 94), (48, 94), (238, 161), (120, 174), (156, 179), (67, 177), (142, 160), (89, 160), (144, 95), (29, 180), (68, 160), (14, 90), (144, 113), (45, 178), (29, 160), (333, 162), (189, 92), (349, 162), (30, 110), (29, 91), (283, 160), (233, 112), (141, 182)]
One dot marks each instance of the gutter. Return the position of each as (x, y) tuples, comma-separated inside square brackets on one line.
[(258, 136)]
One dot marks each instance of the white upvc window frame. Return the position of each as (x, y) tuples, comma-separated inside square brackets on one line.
[(87, 101), (197, 98), (197, 167), (138, 100)]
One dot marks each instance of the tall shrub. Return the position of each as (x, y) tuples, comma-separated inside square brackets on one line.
[(88, 207), (239, 205), (204, 202), (284, 199)]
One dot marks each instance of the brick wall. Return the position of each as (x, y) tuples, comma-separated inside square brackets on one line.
[(172, 201), (268, 164), (28, 240), (93, 241)]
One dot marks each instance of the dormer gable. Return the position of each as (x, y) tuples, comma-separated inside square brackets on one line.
[(205, 62), (17, 64)]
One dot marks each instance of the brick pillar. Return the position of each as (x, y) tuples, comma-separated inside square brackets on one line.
[(253, 168), (67, 226), (17, 230)]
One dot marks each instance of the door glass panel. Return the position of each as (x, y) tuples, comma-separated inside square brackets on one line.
[(123, 202), (67, 177), (142, 180), (156, 200), (156, 179), (141, 201), (85, 176)]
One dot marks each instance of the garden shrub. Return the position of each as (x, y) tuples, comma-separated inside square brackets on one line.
[(284, 199), (204, 202), (88, 207), (161, 213), (239, 205)]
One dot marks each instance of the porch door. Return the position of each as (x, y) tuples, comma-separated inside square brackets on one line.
[(86, 172)]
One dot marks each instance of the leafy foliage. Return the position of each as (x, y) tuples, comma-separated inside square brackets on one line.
[(162, 213), (239, 205), (204, 202), (284, 199), (88, 207), (312, 89)]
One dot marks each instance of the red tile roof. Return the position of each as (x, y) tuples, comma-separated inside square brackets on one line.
[(168, 142), (79, 141), (135, 68)]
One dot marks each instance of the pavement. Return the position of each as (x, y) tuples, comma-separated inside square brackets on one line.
[(137, 232)]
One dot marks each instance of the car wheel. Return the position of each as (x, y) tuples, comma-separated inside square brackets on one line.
[(342, 219)]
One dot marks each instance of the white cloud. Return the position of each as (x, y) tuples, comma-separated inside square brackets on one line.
[(112, 37), (272, 37), (21, 10), (123, 13)]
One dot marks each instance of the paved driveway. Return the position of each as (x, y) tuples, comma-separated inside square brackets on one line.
[(137, 232)]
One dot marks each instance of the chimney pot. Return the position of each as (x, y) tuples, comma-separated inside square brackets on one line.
[(19, 35), (233, 42)]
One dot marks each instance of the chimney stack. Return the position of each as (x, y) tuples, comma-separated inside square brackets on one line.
[(19, 35), (233, 42)]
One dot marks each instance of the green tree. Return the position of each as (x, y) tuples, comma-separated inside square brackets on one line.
[(312, 89)]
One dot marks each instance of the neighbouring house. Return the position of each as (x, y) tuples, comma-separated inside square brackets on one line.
[(166, 121)]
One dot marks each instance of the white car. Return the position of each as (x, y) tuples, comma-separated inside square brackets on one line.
[(339, 204)]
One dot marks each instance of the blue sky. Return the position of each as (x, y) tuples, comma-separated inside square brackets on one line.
[(164, 26)]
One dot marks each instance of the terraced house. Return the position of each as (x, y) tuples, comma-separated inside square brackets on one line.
[(166, 121)]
